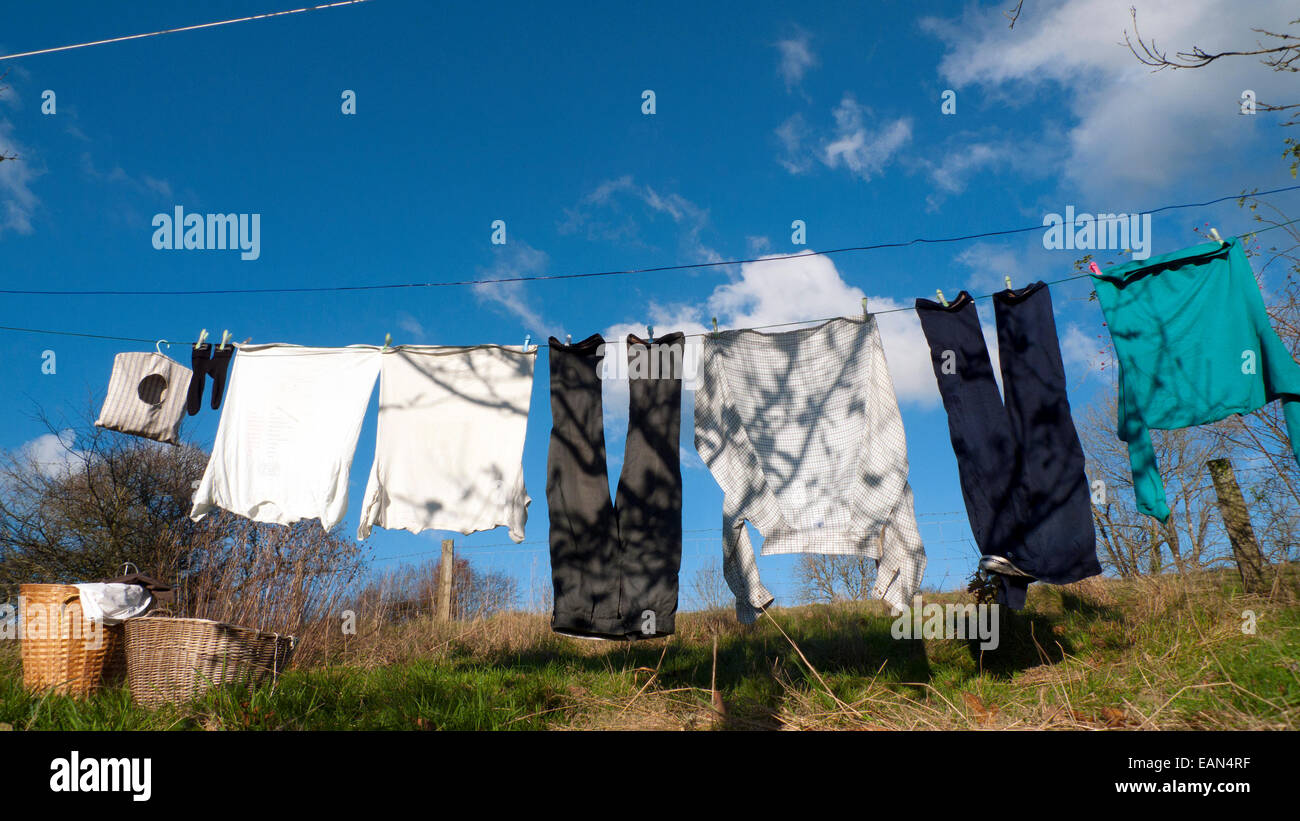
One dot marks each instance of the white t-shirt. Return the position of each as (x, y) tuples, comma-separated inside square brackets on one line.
[(450, 441), (288, 430)]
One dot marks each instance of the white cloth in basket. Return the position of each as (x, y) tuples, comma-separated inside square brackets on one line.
[(113, 603)]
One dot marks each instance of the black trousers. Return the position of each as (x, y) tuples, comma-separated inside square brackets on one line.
[(1020, 462), (615, 566)]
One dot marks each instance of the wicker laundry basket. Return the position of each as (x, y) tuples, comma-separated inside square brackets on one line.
[(171, 659), (62, 649)]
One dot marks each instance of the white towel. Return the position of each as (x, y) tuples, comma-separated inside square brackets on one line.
[(112, 602), (287, 434), (450, 441)]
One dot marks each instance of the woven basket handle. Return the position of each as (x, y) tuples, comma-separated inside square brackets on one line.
[(68, 601)]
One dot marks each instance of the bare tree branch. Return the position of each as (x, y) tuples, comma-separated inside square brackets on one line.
[(3, 89), (1150, 54), (1014, 14)]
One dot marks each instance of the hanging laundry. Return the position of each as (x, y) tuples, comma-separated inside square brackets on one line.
[(803, 433), (450, 443), (286, 438), (615, 566), (207, 362), (146, 396), (1020, 462), (1194, 346)]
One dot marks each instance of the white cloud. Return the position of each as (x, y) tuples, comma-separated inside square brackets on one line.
[(774, 291), (1088, 355), (951, 173), (784, 289), (145, 184), (411, 327), (161, 187), (618, 209), (796, 58), (792, 289), (515, 259), (690, 459), (793, 135), (605, 191), (863, 151), (1131, 129), (614, 388), (966, 156), (51, 454), (907, 352), (675, 206), (17, 200), (989, 263)]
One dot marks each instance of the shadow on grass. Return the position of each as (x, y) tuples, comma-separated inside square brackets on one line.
[(753, 663), (1038, 636), (1025, 639)]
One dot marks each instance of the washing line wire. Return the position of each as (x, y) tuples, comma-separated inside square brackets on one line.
[(194, 27), (74, 333), (623, 272), (546, 345)]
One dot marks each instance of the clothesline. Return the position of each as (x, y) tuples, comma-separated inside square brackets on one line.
[(86, 335), (623, 272), (195, 27), (539, 344)]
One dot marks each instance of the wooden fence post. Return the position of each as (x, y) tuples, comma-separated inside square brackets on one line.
[(446, 574), (1236, 518)]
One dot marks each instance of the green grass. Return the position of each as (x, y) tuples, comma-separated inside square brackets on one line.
[(1147, 653)]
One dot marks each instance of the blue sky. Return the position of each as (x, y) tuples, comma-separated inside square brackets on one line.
[(766, 113)]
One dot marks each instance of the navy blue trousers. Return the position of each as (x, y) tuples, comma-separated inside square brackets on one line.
[(1020, 461)]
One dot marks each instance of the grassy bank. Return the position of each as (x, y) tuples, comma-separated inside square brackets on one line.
[(1151, 653)]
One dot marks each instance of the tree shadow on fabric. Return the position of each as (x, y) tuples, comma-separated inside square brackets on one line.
[(615, 562)]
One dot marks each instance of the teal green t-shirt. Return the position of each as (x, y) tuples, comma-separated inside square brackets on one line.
[(1195, 346)]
